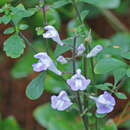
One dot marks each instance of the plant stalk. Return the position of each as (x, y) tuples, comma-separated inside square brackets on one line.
[(45, 24), (77, 93)]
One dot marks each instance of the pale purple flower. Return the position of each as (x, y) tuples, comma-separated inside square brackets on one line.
[(61, 102), (52, 33), (80, 49), (78, 81), (105, 103), (62, 60), (94, 51), (44, 63)]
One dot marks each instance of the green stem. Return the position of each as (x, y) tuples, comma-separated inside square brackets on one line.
[(77, 93), (114, 21), (45, 23)]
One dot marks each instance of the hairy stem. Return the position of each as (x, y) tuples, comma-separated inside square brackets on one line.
[(45, 23), (77, 93)]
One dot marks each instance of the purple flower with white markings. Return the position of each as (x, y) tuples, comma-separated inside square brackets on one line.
[(94, 51), (44, 63), (52, 33), (80, 49), (105, 103), (62, 60), (61, 102), (78, 81)]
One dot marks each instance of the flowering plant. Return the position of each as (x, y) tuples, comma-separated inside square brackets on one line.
[(79, 92)]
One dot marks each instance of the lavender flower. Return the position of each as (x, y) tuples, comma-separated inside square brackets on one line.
[(44, 63), (94, 51), (52, 33), (61, 102), (62, 60), (78, 81), (80, 49), (105, 103)]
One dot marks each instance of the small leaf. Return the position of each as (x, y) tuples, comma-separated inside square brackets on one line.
[(84, 14), (9, 30), (104, 86), (23, 26), (108, 65), (119, 74), (14, 46), (120, 95), (100, 115), (6, 19), (128, 72), (35, 88)]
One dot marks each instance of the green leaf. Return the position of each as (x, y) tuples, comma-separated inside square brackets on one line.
[(69, 42), (120, 95), (104, 86), (23, 66), (35, 88), (84, 14), (19, 12), (122, 40), (57, 84), (110, 125), (9, 30), (100, 115), (56, 120), (128, 72), (14, 46), (9, 124), (6, 19), (60, 3), (23, 26), (119, 74), (108, 65), (126, 55), (103, 3)]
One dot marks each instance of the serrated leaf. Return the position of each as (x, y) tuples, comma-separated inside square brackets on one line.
[(35, 88), (59, 3), (14, 46), (120, 95), (107, 65), (103, 3), (23, 26), (9, 30), (119, 74), (55, 120), (128, 72), (23, 66)]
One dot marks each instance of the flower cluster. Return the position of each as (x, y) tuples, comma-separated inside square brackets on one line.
[(105, 102)]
